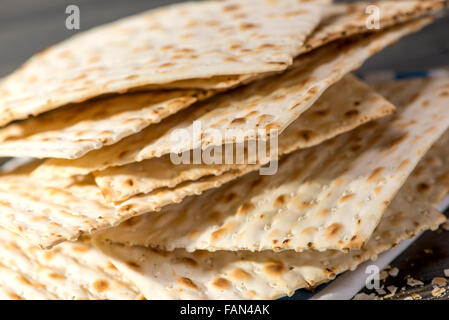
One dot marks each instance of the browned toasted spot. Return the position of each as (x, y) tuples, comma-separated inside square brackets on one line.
[(231, 59), (187, 261), (221, 283), (375, 174), (295, 13), (57, 276), (215, 216), (122, 154), (230, 197), (226, 228), (132, 222), (111, 266), (238, 121), (377, 190), (321, 113), (245, 208), (231, 7), (403, 164), (48, 255), (306, 134), (240, 274), (166, 65), (322, 213), (280, 200), (334, 229), (247, 25), (186, 282), (133, 264), (273, 126), (346, 198), (14, 296), (309, 231), (101, 285), (351, 113), (303, 205), (81, 248), (274, 268), (423, 187), (24, 280)]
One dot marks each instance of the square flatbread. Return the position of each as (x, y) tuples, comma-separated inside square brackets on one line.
[(71, 271), (344, 106), (266, 274), (333, 200), (184, 41), (269, 104)]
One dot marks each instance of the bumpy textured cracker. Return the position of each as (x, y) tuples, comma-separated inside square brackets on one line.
[(261, 275), (333, 200), (47, 216), (66, 213), (73, 131), (345, 105), (345, 19), (71, 271), (431, 177), (184, 41), (254, 107)]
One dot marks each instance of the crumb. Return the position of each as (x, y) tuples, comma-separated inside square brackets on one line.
[(408, 298), (428, 251), (438, 292), (383, 275), (392, 289), (364, 296), (416, 296), (381, 291), (393, 272), (413, 282), (439, 281)]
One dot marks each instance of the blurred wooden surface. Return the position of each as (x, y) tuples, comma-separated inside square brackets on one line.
[(28, 26)]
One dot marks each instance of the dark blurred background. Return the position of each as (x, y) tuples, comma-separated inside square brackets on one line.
[(28, 26)]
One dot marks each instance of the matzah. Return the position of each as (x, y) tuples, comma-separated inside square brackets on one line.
[(71, 271), (345, 105), (72, 131), (261, 275), (333, 200), (342, 20), (257, 106), (179, 42)]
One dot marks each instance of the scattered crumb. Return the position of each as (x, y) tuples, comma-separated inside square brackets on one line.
[(383, 275), (416, 296), (364, 296), (439, 281), (381, 291), (393, 272), (387, 267), (413, 282), (446, 273), (438, 292), (392, 289), (428, 251), (408, 298)]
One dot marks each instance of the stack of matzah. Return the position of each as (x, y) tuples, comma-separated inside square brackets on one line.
[(105, 212)]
